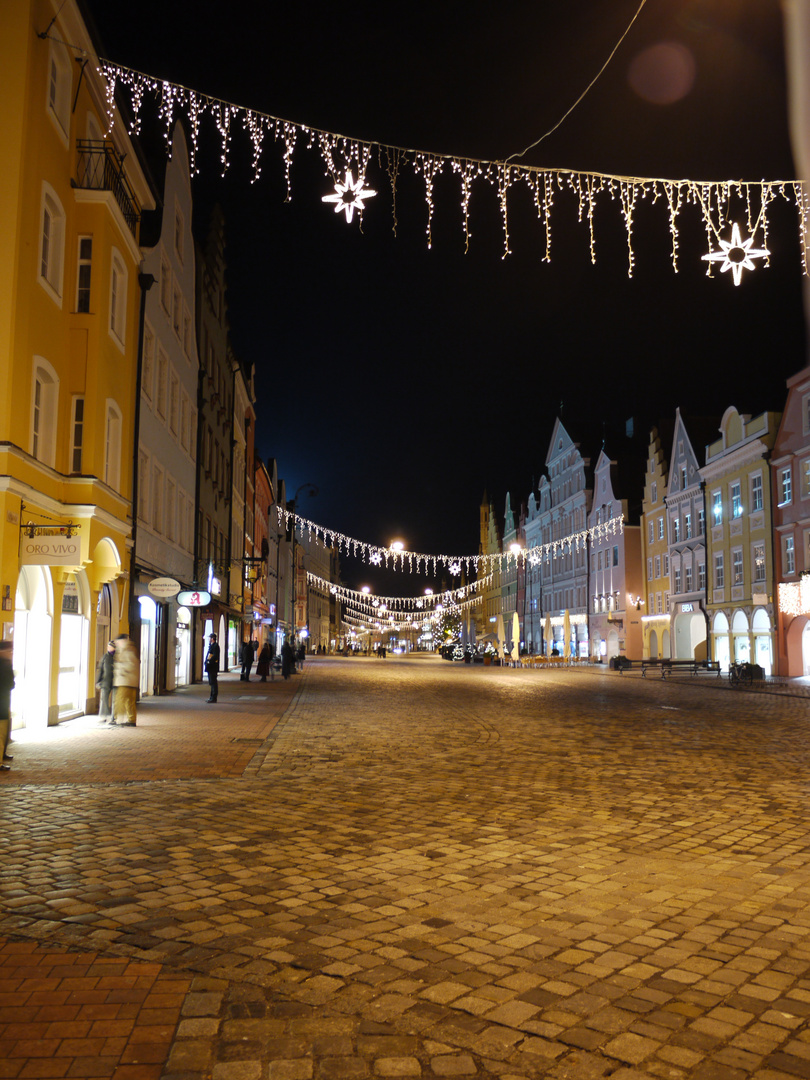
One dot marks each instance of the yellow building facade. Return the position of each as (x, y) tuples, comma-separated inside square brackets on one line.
[(655, 620), (71, 199)]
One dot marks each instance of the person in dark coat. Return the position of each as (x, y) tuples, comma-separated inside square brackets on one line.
[(104, 683), (6, 686), (287, 660), (212, 666), (300, 654), (265, 665), (246, 656)]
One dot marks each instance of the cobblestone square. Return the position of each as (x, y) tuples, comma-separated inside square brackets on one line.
[(413, 868)]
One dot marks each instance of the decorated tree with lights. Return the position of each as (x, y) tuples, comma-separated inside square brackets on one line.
[(448, 624)]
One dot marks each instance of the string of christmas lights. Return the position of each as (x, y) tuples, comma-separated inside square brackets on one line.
[(372, 602), (347, 159), (477, 565)]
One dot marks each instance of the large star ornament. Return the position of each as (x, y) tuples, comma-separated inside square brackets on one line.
[(349, 195), (736, 254)]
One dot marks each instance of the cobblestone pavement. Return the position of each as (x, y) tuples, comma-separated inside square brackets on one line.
[(421, 869)]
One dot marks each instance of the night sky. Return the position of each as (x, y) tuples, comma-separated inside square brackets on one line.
[(403, 381)]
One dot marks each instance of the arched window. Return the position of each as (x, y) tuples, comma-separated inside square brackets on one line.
[(44, 401), (112, 446), (51, 243)]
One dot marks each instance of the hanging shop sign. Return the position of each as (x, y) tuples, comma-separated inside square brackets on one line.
[(164, 587), (198, 598), (50, 550)]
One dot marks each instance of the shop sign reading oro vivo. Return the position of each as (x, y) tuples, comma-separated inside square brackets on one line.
[(58, 550), (164, 587)]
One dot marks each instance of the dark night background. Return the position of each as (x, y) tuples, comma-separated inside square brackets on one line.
[(403, 381)]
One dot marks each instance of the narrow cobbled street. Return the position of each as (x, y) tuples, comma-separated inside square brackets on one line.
[(412, 868)]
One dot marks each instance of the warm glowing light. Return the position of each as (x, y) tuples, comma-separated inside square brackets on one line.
[(349, 195), (794, 597), (397, 545), (736, 254)]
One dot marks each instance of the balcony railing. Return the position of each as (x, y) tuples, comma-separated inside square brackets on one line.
[(101, 168)]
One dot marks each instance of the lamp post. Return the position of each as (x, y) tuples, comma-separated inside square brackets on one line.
[(309, 489)]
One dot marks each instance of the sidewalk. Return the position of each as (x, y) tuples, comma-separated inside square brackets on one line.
[(178, 737)]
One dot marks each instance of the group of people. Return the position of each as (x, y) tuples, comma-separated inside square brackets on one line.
[(118, 678), (290, 660)]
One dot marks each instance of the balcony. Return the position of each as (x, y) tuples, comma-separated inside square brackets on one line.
[(101, 168)]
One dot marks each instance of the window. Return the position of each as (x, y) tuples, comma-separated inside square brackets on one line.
[(658, 603), (616, 555), (785, 486), (184, 421), (736, 499), (666, 565), (654, 491), (658, 566), (143, 486), (174, 402), (171, 509), (118, 298), (44, 398), (717, 507), (806, 413), (162, 380), (177, 310), (719, 572), (52, 243), (186, 332), (165, 283), (157, 498), (758, 560), (652, 532), (112, 446), (59, 89), (688, 576), (687, 526), (789, 552), (702, 576), (677, 587), (701, 522), (148, 362), (179, 232), (661, 527), (756, 492), (83, 274), (676, 529), (77, 435), (649, 569), (804, 473), (737, 576)]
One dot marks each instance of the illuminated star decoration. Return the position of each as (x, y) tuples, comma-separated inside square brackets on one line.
[(737, 254), (349, 195), (455, 569), (375, 557)]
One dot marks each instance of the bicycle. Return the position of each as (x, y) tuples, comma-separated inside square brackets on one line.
[(740, 674)]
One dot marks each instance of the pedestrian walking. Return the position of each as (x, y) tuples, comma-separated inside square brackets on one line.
[(104, 683), (300, 654), (6, 686), (265, 665), (246, 656), (212, 666), (287, 660), (126, 680)]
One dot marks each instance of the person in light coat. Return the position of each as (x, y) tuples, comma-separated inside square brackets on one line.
[(126, 680)]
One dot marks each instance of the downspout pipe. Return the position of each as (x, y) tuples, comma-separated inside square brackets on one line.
[(145, 283)]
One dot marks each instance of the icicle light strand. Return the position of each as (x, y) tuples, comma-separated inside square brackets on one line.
[(716, 200)]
